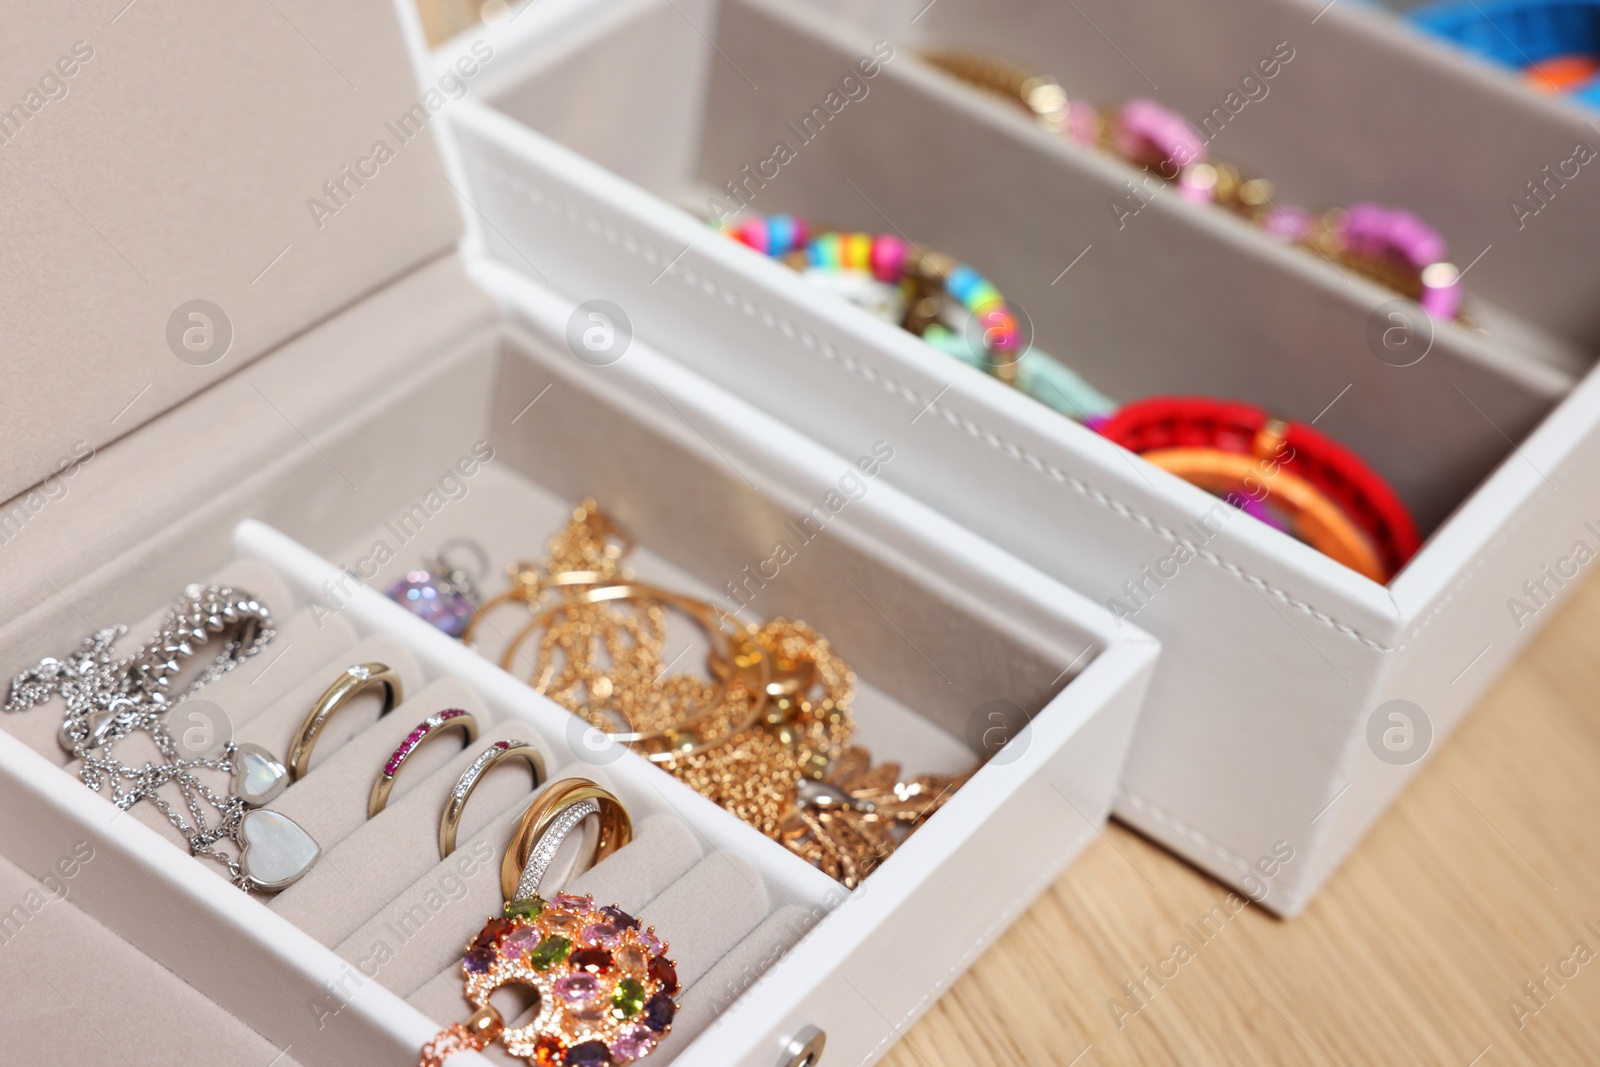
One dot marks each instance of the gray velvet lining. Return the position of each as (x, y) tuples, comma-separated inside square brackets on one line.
[(379, 893)]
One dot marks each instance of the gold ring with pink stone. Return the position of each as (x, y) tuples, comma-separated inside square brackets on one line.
[(432, 726)]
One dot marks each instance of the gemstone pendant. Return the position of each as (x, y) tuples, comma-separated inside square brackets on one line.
[(274, 851), (258, 775), (604, 999)]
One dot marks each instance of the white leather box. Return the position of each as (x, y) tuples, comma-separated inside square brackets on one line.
[(364, 361), (606, 133)]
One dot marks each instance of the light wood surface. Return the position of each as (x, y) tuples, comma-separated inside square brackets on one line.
[(1485, 872)]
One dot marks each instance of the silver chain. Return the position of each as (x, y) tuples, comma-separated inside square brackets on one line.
[(108, 698)]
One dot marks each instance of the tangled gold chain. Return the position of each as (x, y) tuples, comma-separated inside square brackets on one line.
[(777, 751)]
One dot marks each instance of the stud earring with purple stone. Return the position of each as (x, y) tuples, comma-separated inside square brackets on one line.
[(442, 593)]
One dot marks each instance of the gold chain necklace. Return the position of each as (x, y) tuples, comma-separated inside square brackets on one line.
[(765, 736)]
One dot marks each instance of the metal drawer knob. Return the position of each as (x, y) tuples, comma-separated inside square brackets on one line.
[(804, 1048)]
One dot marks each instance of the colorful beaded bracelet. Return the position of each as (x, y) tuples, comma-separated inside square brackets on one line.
[(1393, 247), (891, 260), (1285, 473), (929, 281)]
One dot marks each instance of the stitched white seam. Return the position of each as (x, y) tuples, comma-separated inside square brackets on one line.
[(1518, 520), (1291, 898), (639, 249), (1183, 829)]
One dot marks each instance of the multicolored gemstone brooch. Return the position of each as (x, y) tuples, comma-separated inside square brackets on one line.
[(605, 988)]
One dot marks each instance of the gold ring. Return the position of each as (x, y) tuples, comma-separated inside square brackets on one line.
[(527, 585), (450, 819), (449, 719), (553, 815), (356, 680)]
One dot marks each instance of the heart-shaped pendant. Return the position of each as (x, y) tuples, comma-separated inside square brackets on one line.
[(274, 852), (258, 775)]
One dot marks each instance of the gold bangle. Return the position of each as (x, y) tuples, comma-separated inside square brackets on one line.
[(528, 582), (449, 719), (546, 811), (450, 818), (356, 680), (733, 655), (524, 587)]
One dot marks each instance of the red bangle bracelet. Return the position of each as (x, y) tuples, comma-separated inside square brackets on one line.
[(1178, 432)]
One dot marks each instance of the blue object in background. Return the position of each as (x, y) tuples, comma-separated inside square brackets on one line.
[(1519, 33)]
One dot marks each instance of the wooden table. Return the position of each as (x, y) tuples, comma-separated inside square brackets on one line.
[(1483, 874)]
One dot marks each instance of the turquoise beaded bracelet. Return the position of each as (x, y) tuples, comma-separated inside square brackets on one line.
[(929, 280)]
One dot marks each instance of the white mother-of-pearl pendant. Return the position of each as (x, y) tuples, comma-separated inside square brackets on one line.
[(258, 775), (274, 851)]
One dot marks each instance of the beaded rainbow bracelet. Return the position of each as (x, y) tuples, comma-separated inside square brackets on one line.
[(891, 260), (929, 281), (1392, 247)]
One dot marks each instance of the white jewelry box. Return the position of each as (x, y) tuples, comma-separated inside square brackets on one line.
[(362, 362), (1270, 711)]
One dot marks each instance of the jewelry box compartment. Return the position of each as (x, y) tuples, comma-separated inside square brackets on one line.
[(1167, 301), (1365, 109), (589, 139), (495, 430)]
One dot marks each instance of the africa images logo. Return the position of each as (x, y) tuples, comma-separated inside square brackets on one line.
[(1542, 590)]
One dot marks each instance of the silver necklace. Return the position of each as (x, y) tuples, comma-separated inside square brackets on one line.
[(109, 698)]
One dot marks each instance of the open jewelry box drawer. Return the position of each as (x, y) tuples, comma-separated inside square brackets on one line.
[(605, 133), (466, 423)]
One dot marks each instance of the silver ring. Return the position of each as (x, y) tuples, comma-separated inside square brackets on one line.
[(450, 818)]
